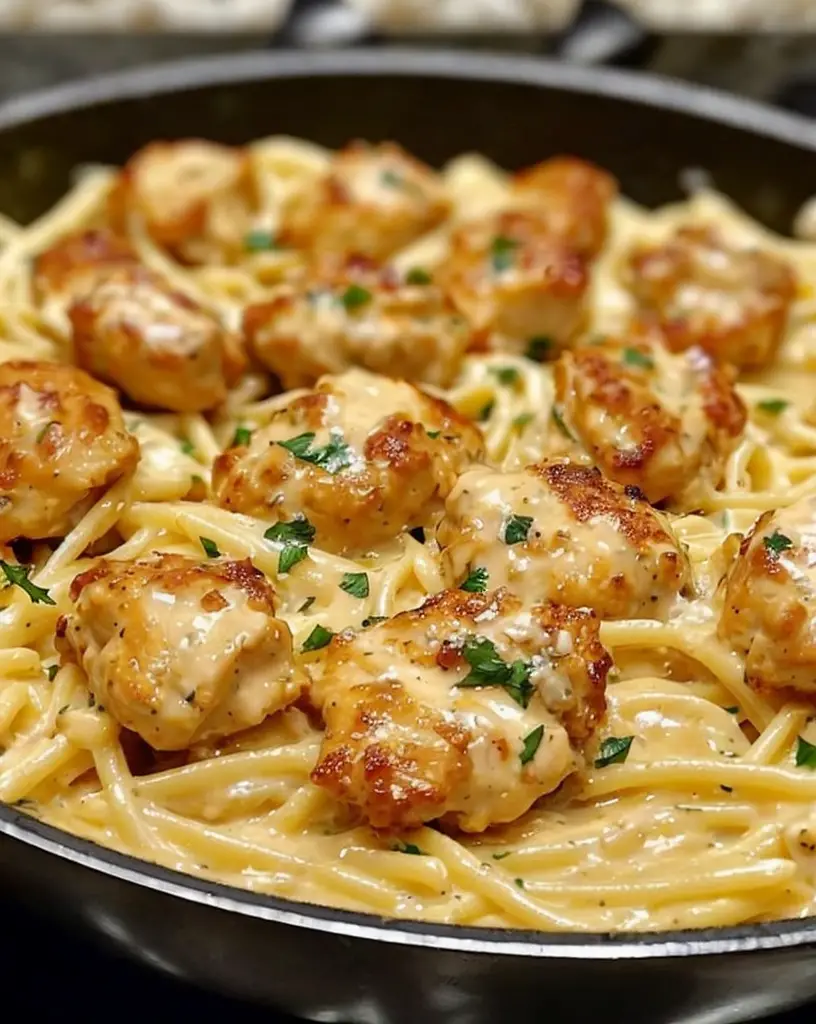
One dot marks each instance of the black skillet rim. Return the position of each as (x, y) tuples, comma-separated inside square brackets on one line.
[(650, 90)]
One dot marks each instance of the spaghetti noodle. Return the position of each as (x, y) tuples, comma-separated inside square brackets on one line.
[(708, 821)]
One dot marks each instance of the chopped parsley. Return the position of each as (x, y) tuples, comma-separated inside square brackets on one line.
[(355, 583), (634, 357), (777, 543), (519, 882), (354, 297), (259, 241), (241, 438), (391, 178), (507, 375), (332, 457), (18, 576), (411, 848), (502, 855), (373, 620), (502, 253), (433, 434), (805, 753), (558, 420), (538, 348), (187, 447), (52, 671), (773, 406), (210, 547), (476, 581), (307, 604), (45, 429), (521, 421), (733, 710), (488, 669), (485, 411), (418, 275), (318, 638), (532, 741), (516, 529), (614, 750), (295, 535)]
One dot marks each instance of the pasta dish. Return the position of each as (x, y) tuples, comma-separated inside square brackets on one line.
[(437, 544)]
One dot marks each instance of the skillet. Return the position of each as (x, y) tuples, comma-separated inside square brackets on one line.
[(332, 965)]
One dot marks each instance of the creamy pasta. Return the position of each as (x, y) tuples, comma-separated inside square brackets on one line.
[(692, 806)]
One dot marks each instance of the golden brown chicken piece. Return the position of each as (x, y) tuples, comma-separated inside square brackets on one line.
[(75, 264), (178, 650), (194, 198), (62, 443), (467, 708), (572, 197), (769, 608), (522, 290), (363, 457), (155, 344), (373, 201), (359, 317), (733, 302), (562, 532), (661, 422)]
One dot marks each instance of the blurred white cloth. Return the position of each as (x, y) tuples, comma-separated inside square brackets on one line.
[(170, 15), (453, 15)]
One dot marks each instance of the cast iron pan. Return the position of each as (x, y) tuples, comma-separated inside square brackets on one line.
[(329, 965)]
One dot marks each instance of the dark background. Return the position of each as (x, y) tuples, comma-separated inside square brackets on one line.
[(55, 976)]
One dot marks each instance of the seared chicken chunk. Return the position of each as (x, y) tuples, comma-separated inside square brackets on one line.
[(358, 318), (157, 345), (468, 708), (194, 198), (178, 650), (75, 264), (561, 532), (769, 610), (62, 442), (363, 457), (521, 289), (661, 422), (572, 197), (733, 302), (373, 201)]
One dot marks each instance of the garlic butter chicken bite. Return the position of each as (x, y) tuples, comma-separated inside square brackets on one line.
[(732, 301), (572, 198), (74, 265), (358, 316), (62, 442), (178, 650), (195, 199), (373, 200), (562, 532), (522, 289), (648, 418), (769, 606), (363, 457), (468, 708)]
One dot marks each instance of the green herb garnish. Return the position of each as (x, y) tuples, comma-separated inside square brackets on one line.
[(291, 556), (355, 583), (634, 357), (210, 547), (516, 529), (52, 671), (18, 576), (332, 457), (502, 253), (519, 882), (307, 604), (502, 855), (318, 638), (241, 438), (507, 375), (558, 420), (777, 543), (805, 753), (45, 429), (532, 741), (733, 710), (523, 419), (476, 581), (411, 848), (391, 178), (372, 620), (433, 434), (297, 531), (259, 241), (485, 411), (187, 447), (354, 297), (488, 669), (614, 750), (418, 275), (773, 406)]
